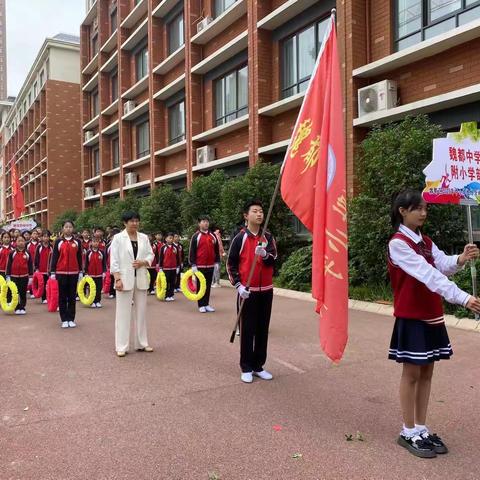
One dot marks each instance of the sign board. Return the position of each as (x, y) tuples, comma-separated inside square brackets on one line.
[(22, 225), (453, 176)]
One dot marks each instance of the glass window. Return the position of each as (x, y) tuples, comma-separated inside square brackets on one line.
[(222, 5), (113, 20), (141, 63), (299, 54), (95, 162), (94, 46), (94, 103), (35, 87), (418, 20), (176, 123), (115, 153), (231, 96), (143, 139), (176, 36), (42, 78), (114, 87)]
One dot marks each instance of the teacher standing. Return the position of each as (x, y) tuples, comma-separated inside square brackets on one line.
[(130, 256)]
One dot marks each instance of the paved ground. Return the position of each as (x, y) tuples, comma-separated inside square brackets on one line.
[(70, 409)]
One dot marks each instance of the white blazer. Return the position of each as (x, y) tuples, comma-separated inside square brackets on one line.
[(121, 258)]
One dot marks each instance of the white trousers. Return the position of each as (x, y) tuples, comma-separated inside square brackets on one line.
[(124, 313)]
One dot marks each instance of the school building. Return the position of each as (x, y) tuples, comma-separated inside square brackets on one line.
[(41, 134), (172, 89)]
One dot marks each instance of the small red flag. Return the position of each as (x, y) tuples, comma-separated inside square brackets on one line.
[(314, 187), (17, 194)]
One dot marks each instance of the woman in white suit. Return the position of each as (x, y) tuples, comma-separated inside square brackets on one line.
[(130, 255)]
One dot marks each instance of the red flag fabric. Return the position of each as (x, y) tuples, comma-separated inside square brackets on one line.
[(314, 187), (17, 194)]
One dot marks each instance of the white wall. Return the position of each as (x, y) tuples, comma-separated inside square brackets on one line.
[(64, 65)]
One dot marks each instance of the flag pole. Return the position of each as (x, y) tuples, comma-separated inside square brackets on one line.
[(252, 268), (473, 270)]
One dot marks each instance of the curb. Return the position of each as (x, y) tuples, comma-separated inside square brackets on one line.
[(372, 307)]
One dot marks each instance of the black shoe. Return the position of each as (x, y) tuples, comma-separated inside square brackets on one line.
[(417, 446), (436, 441)]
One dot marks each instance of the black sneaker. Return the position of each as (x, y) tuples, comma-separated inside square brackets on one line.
[(436, 441), (417, 446)]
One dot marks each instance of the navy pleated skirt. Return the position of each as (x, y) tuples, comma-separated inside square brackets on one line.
[(418, 342)]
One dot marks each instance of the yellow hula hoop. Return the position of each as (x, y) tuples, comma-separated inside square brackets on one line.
[(161, 285), (92, 290), (193, 297), (9, 307), (2, 281)]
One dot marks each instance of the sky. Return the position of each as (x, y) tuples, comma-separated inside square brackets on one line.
[(29, 22)]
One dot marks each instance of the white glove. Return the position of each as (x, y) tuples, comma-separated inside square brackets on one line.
[(178, 270), (217, 267), (52, 276), (260, 251), (194, 269), (30, 281), (160, 270), (104, 275), (243, 292), (80, 275), (7, 279)]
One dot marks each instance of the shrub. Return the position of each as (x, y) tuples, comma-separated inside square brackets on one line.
[(296, 271)]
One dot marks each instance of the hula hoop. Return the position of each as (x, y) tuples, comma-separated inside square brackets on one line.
[(193, 297), (6, 306), (161, 285), (2, 281), (92, 290), (38, 284), (52, 295)]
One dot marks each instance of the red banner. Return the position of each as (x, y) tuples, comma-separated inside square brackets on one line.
[(17, 194), (314, 187)]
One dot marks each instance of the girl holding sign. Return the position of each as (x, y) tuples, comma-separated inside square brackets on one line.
[(418, 274)]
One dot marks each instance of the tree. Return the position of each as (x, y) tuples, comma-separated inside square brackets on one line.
[(392, 158), (159, 212), (66, 215)]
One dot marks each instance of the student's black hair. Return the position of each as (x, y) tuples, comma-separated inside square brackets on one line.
[(168, 234), (96, 229), (68, 221), (203, 217), (131, 215), (115, 230), (252, 203), (408, 199), (46, 232), (6, 233)]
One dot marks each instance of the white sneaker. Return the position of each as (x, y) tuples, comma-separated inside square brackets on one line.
[(208, 308), (44, 302), (168, 299), (93, 305), (18, 312), (99, 305), (214, 285), (72, 324), (23, 312), (178, 290), (64, 324), (247, 377), (264, 375), (202, 310), (111, 296), (77, 299), (32, 296)]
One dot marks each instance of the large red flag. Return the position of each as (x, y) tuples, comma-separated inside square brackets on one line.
[(314, 187), (17, 194)]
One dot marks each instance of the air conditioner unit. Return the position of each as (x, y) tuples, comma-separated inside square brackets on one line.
[(89, 191), (131, 178), (377, 97), (205, 154), (89, 135), (31, 177), (128, 107), (204, 23)]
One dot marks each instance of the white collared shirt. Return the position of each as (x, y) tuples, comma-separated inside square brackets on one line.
[(434, 278)]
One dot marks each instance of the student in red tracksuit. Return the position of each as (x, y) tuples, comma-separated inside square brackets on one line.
[(98, 233), (42, 259), (245, 248), (153, 270), (5, 250), (20, 271), (204, 256), (31, 248), (67, 269), (169, 263), (95, 267), (85, 242), (177, 243)]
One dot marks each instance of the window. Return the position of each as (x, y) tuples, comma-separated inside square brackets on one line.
[(299, 54), (113, 20), (115, 153), (94, 45), (418, 20), (141, 63), (94, 104), (35, 87), (231, 96), (175, 34), (95, 162), (114, 87), (42, 78), (143, 139), (222, 5), (176, 123)]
